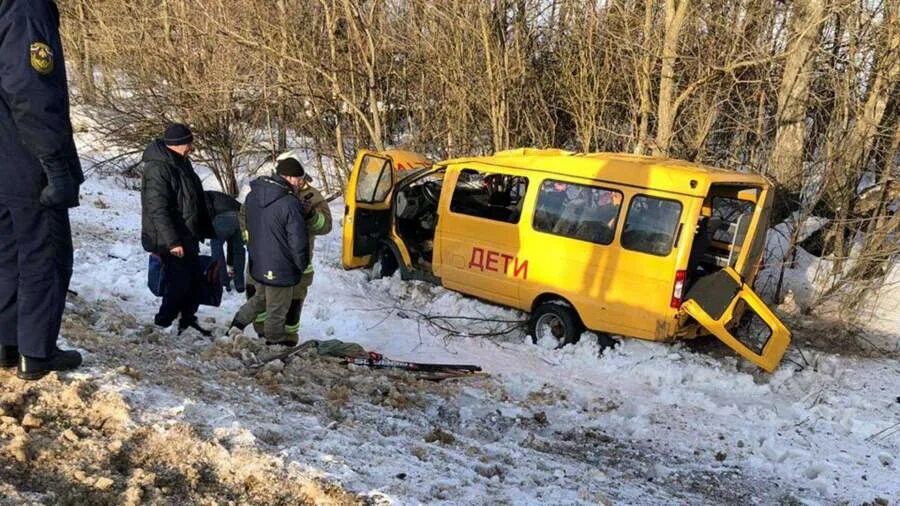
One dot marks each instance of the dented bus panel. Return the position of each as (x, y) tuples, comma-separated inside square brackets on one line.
[(622, 244)]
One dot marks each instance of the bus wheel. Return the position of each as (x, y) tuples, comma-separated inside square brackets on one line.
[(555, 321)]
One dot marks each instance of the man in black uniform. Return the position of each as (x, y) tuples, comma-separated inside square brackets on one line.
[(39, 178), (174, 221)]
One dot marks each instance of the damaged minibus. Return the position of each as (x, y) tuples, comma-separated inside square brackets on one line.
[(621, 244)]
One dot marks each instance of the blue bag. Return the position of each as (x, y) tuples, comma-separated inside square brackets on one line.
[(210, 289), (156, 276)]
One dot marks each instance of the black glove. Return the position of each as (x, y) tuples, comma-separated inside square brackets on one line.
[(306, 207), (61, 190)]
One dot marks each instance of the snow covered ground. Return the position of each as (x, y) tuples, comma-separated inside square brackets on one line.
[(646, 423)]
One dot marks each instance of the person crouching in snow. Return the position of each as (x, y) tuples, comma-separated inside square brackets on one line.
[(224, 209), (318, 219), (174, 221), (277, 240)]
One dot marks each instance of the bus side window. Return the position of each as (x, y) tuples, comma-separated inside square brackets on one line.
[(651, 224), (577, 211), (492, 196)]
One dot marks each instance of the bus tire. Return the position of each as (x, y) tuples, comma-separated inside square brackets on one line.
[(557, 321)]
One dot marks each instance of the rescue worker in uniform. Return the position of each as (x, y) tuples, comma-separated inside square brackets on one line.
[(40, 174), (174, 221), (278, 245), (318, 219)]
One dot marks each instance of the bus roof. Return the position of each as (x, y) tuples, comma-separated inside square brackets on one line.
[(664, 174)]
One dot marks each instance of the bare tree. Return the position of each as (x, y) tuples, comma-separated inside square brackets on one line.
[(805, 92), (786, 161)]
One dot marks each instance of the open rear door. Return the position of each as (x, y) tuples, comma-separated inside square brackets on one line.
[(367, 213), (754, 245), (729, 309)]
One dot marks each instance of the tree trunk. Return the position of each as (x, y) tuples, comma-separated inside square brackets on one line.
[(786, 160), (365, 44), (643, 78), (167, 26), (885, 180), (280, 112), (880, 246), (331, 25), (496, 86), (88, 86), (756, 151), (853, 153), (666, 113)]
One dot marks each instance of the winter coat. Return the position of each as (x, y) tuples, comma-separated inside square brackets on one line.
[(35, 128), (277, 238), (173, 205), (218, 203)]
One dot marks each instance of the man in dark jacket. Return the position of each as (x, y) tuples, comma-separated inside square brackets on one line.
[(279, 249), (174, 222), (39, 178), (224, 211), (318, 222)]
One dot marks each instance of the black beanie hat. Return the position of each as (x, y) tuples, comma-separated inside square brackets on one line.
[(289, 167), (178, 134)]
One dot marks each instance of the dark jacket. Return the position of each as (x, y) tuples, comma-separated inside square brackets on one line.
[(35, 128), (218, 203), (276, 233), (173, 205)]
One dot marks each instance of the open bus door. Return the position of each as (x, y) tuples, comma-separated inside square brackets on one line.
[(367, 213), (729, 309), (726, 305)]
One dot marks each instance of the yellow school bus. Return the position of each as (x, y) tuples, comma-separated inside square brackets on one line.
[(622, 244)]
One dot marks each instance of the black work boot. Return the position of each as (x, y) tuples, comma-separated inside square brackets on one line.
[(182, 326), (9, 356), (31, 369)]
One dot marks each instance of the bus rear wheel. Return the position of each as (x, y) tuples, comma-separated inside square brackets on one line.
[(557, 322)]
